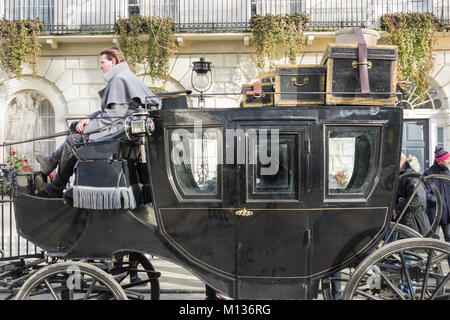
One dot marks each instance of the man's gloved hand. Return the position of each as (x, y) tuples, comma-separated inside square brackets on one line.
[(73, 127)]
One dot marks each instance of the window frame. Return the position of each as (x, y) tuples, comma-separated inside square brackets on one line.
[(368, 191), (176, 187), (44, 122), (298, 137), (440, 133)]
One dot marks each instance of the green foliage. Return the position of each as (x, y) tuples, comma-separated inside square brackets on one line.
[(19, 44), (413, 33), (278, 34), (5, 187), (160, 45), (18, 164)]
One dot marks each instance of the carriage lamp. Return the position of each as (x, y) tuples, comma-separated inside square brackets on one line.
[(201, 79), (139, 124)]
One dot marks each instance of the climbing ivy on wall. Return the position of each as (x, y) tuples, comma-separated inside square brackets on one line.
[(413, 33), (19, 44), (278, 35), (155, 54)]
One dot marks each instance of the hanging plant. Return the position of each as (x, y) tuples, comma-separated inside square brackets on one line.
[(278, 35), (19, 44), (413, 33), (159, 48)]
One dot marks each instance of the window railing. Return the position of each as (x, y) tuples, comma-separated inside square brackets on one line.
[(87, 16)]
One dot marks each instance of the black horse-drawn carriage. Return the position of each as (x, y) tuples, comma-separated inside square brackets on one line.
[(257, 202)]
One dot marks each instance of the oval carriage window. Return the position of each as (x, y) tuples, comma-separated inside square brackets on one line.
[(194, 161), (352, 154)]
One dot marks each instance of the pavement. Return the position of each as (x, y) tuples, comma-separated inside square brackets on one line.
[(177, 283)]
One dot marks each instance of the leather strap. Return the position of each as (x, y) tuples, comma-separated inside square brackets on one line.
[(362, 61), (257, 90)]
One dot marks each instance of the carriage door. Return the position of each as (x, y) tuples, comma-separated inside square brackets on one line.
[(272, 236)]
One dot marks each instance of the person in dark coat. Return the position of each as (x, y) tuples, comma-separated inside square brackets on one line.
[(122, 88), (440, 166), (415, 215)]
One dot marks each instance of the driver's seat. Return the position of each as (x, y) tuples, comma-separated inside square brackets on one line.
[(109, 175)]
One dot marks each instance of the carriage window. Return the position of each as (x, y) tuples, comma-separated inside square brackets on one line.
[(352, 154), (272, 167), (194, 160)]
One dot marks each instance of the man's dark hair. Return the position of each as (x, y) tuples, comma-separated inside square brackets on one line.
[(113, 53)]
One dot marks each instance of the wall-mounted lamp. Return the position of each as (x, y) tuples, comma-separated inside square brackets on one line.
[(201, 79)]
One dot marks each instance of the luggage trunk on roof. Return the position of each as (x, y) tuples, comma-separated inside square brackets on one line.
[(343, 81), (299, 85)]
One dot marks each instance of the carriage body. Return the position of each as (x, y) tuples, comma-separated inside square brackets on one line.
[(257, 202)]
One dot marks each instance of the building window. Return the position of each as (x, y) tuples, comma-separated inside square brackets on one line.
[(30, 115), (410, 100), (440, 136)]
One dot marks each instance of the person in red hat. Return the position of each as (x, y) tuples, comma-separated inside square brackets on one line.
[(440, 166)]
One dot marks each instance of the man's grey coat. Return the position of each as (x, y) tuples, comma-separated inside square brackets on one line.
[(122, 87)]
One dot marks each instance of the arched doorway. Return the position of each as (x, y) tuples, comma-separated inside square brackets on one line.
[(424, 123), (30, 115)]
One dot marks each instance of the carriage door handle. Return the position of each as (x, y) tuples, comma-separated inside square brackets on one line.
[(244, 213)]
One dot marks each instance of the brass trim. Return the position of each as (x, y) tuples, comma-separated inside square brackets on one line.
[(244, 213), (356, 64), (294, 81)]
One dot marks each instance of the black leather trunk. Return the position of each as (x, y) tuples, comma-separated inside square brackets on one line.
[(299, 85), (343, 84)]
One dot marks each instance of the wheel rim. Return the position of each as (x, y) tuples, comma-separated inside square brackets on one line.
[(400, 232), (70, 281), (406, 270), (146, 273)]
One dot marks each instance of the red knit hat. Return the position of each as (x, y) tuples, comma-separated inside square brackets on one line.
[(440, 154)]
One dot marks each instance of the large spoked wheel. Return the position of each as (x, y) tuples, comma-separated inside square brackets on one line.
[(409, 269), (338, 279), (134, 271), (70, 281)]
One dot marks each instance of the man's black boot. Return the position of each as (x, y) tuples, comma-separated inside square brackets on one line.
[(65, 169), (48, 164)]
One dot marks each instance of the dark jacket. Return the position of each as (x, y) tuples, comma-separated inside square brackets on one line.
[(415, 215), (444, 189)]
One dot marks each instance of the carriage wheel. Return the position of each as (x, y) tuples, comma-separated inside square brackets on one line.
[(401, 232), (70, 281), (142, 267), (406, 269)]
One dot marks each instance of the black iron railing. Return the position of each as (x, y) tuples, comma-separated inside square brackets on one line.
[(86, 16), (11, 244)]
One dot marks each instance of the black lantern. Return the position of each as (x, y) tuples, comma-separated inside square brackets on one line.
[(201, 78)]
